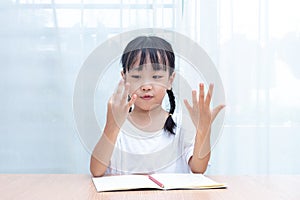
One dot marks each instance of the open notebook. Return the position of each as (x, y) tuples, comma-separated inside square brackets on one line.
[(155, 181)]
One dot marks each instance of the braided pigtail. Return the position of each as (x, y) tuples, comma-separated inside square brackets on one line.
[(128, 99), (170, 124)]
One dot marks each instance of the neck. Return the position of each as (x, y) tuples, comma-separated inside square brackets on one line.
[(149, 120)]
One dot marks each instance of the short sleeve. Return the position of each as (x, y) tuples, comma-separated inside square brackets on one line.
[(189, 153)]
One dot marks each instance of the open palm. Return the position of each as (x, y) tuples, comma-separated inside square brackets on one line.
[(200, 112)]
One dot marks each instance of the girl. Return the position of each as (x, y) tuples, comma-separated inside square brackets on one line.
[(140, 136)]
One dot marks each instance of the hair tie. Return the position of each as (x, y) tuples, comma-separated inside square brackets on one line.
[(170, 114)]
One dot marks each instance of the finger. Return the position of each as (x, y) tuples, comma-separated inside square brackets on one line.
[(110, 101), (216, 111), (125, 93), (119, 88), (201, 94), (132, 100), (209, 94), (113, 98), (194, 97), (187, 105)]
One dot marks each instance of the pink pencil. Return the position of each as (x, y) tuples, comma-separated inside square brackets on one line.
[(156, 181)]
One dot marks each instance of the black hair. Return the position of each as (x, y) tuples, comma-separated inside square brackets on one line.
[(160, 52)]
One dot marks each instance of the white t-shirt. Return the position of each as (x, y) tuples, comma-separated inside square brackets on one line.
[(137, 151)]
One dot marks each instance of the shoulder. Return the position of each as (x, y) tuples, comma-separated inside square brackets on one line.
[(177, 117)]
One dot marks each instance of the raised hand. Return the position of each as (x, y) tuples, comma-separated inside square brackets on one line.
[(200, 111), (118, 107)]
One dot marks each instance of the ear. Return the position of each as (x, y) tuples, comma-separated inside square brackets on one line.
[(123, 75), (171, 79)]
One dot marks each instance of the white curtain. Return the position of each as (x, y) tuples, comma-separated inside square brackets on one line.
[(254, 45)]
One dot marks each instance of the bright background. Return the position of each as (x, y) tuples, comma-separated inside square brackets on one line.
[(255, 46)]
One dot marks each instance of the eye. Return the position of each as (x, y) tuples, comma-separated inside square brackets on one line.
[(157, 76), (135, 76)]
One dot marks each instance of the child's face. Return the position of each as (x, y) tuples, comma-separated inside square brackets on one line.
[(149, 82)]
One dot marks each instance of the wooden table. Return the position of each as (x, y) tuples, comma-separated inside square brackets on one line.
[(78, 186)]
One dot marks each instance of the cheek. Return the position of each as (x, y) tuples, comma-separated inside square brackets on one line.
[(133, 87), (161, 92)]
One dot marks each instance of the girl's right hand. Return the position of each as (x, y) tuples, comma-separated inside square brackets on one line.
[(118, 107)]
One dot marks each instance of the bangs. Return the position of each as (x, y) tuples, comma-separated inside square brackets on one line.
[(148, 50), (157, 58)]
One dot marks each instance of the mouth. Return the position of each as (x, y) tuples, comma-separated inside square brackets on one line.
[(147, 97)]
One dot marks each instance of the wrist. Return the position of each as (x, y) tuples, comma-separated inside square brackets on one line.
[(111, 128), (203, 131)]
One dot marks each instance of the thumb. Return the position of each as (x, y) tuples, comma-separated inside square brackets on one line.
[(132, 100), (216, 111)]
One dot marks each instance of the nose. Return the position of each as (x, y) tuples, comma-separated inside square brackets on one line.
[(146, 87)]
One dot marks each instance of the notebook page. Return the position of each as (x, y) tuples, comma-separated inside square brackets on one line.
[(123, 182), (186, 181)]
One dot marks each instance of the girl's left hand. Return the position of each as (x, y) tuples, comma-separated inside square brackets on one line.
[(200, 112)]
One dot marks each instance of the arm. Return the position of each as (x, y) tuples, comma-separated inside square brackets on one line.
[(201, 154), (102, 152), (202, 118), (117, 112)]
